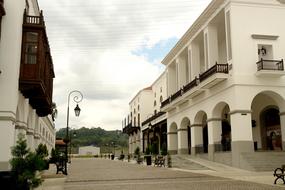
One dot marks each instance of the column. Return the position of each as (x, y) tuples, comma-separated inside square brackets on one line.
[(138, 141), (196, 139), (282, 125), (242, 140), (172, 142), (214, 136), (182, 141), (130, 144), (213, 47)]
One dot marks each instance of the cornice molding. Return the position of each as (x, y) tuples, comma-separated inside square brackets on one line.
[(196, 125), (214, 119), (182, 129), (264, 37), (240, 111), (172, 133)]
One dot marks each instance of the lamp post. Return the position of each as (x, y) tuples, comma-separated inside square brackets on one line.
[(71, 135), (77, 98)]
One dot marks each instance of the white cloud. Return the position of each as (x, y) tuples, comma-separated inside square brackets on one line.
[(92, 44)]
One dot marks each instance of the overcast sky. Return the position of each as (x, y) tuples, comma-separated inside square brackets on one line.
[(109, 50)]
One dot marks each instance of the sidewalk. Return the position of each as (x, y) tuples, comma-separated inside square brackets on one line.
[(52, 181), (221, 170)]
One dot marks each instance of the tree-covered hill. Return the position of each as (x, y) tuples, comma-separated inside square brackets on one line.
[(94, 136)]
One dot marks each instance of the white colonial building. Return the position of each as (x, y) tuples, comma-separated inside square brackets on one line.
[(26, 78), (226, 85), (145, 114)]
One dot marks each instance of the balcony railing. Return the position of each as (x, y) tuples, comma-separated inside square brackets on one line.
[(165, 102), (129, 128), (33, 20), (217, 68), (190, 85), (153, 118), (176, 95), (273, 65), (180, 92)]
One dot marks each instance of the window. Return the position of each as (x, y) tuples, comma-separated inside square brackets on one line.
[(31, 48), (154, 104), (138, 107), (134, 111), (155, 112), (160, 89), (161, 99)]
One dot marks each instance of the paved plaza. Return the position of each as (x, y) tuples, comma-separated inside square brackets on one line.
[(104, 174)]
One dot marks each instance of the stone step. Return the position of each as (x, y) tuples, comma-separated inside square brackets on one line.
[(180, 161)]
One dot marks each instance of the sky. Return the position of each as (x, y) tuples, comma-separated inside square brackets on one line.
[(109, 50)]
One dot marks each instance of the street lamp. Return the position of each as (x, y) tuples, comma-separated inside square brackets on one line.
[(71, 135), (77, 97)]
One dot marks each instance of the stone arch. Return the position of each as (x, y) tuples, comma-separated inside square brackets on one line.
[(266, 107), (172, 138), (184, 136)]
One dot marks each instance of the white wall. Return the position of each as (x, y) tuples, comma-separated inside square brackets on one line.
[(89, 150), (16, 115), (247, 20)]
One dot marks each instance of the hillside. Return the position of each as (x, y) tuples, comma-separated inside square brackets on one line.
[(96, 137)]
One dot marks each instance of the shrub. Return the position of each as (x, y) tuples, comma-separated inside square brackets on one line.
[(25, 164)]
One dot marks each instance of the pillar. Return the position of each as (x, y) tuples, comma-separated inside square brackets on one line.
[(196, 139), (214, 136), (282, 125), (172, 144), (182, 141), (213, 47), (242, 140)]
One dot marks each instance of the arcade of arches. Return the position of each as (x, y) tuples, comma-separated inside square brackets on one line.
[(261, 128)]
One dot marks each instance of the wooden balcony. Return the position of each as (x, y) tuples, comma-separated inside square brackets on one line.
[(2, 10), (130, 129), (270, 68), (214, 75), (157, 115), (36, 71)]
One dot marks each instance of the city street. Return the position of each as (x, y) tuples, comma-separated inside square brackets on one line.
[(104, 174)]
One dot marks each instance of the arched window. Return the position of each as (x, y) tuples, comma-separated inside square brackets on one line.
[(161, 99), (154, 103)]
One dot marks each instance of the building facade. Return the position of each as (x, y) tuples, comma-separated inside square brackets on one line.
[(144, 115), (26, 78), (89, 150), (226, 85)]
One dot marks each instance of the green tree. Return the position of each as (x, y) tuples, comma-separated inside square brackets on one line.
[(25, 164), (42, 151)]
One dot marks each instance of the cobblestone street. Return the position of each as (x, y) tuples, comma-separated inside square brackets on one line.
[(104, 174)]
